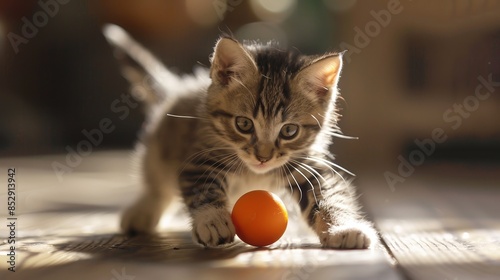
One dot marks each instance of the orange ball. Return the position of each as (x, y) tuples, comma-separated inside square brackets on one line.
[(259, 217)]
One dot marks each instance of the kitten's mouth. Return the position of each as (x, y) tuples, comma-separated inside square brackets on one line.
[(261, 167)]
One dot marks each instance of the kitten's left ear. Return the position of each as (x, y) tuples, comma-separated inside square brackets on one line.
[(321, 76), (230, 60)]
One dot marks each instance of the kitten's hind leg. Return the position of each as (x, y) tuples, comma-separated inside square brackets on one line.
[(160, 181), (144, 215), (334, 215)]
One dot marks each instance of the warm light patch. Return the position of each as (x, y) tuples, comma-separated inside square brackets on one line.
[(276, 10), (202, 12)]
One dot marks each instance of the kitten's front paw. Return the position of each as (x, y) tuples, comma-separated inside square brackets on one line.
[(348, 237), (213, 226)]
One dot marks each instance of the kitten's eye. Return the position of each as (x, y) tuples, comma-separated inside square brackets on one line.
[(288, 131), (244, 125)]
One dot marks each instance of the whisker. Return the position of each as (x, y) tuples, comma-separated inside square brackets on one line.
[(332, 131), (296, 183), (239, 168), (306, 166), (185, 117), (227, 158), (309, 181), (319, 124), (230, 160), (313, 172), (208, 150), (330, 163), (213, 166), (338, 135), (196, 155), (283, 175), (325, 163), (213, 157)]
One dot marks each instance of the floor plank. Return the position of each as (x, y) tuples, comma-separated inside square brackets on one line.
[(67, 228), (442, 228)]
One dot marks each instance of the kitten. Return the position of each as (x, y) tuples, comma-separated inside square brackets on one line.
[(260, 116)]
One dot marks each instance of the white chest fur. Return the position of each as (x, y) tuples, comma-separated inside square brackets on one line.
[(240, 184)]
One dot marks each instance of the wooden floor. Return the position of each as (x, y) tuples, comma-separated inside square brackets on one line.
[(67, 228), (445, 225)]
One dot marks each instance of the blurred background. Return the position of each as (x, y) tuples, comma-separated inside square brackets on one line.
[(414, 70)]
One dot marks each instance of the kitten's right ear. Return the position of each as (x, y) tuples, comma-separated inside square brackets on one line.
[(321, 76), (230, 61)]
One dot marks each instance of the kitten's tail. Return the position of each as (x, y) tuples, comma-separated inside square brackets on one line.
[(149, 78)]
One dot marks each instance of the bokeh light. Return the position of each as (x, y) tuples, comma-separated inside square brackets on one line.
[(275, 11), (202, 12)]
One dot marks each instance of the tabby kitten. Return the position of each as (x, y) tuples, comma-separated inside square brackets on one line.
[(260, 117)]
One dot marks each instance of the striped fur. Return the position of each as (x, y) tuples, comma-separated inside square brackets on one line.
[(259, 117)]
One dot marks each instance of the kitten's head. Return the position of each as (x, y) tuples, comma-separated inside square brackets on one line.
[(271, 105)]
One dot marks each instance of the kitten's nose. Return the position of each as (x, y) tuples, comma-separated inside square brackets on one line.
[(264, 153), (263, 159)]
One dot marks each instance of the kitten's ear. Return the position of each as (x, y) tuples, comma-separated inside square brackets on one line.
[(321, 76), (230, 60)]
